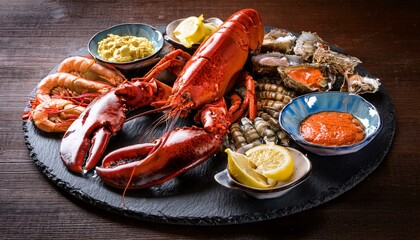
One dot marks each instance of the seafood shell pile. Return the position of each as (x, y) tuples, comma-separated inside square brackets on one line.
[(271, 96), (286, 67)]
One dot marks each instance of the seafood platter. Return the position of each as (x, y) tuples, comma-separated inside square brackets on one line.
[(201, 133)]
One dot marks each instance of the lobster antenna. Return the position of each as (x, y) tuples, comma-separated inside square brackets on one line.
[(171, 121), (165, 118), (148, 135), (161, 109)]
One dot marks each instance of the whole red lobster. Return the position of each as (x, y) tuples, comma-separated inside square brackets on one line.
[(201, 85)]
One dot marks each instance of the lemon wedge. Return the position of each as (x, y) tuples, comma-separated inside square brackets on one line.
[(243, 170), (272, 161), (191, 30)]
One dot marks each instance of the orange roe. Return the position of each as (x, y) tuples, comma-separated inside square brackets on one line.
[(308, 76), (332, 129)]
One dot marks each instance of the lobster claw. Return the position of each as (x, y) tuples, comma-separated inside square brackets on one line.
[(90, 133), (167, 157), (104, 117)]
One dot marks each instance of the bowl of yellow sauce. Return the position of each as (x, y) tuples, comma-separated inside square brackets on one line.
[(127, 46)]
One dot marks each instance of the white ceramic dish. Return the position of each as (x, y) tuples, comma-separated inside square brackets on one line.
[(170, 37), (302, 170)]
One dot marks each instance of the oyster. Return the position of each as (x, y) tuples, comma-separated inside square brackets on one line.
[(355, 83), (266, 64), (306, 44), (307, 78), (278, 40), (337, 62)]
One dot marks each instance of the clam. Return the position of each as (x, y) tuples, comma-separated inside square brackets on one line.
[(267, 63), (278, 40), (337, 62), (306, 44), (307, 78)]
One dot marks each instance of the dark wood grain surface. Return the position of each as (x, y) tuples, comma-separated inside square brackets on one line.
[(36, 35)]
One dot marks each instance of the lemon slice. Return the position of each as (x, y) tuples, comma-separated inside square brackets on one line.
[(273, 161), (243, 170), (191, 30), (209, 28)]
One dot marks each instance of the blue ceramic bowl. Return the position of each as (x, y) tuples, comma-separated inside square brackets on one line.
[(131, 29), (301, 107)]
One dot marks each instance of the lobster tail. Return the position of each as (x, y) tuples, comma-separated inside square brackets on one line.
[(250, 20)]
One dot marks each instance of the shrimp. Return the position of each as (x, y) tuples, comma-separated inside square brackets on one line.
[(89, 69), (238, 137), (276, 105), (249, 131), (75, 85), (55, 115), (62, 91), (265, 86), (274, 96), (264, 130)]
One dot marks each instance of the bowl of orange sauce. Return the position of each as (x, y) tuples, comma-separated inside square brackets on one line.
[(330, 123)]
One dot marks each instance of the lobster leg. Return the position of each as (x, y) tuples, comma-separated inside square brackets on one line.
[(169, 61), (249, 103)]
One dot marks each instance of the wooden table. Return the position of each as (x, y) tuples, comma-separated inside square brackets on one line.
[(35, 35)]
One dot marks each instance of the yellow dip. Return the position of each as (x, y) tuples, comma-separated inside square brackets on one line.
[(119, 49)]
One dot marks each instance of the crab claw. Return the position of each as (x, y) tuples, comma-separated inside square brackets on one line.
[(167, 157)]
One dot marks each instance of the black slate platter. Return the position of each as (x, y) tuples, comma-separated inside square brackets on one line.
[(194, 198)]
